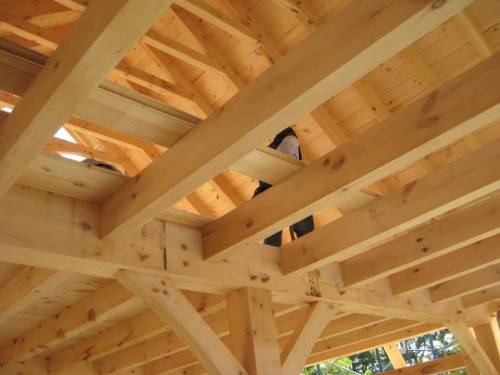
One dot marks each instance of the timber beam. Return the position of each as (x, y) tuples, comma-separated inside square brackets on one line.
[(45, 242), (427, 125), (71, 70), (139, 201)]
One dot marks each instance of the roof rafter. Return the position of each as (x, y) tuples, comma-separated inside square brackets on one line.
[(23, 134), (415, 128), (153, 191)]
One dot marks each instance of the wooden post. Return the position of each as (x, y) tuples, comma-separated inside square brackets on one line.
[(253, 331), (173, 307), (472, 348), (307, 332), (488, 336)]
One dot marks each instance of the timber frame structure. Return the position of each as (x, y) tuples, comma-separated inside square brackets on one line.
[(159, 268)]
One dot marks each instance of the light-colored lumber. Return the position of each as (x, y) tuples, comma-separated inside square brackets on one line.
[(437, 366), (423, 127), (472, 348), (181, 52), (126, 336), (372, 342), (285, 326), (461, 228), (488, 336), (475, 36), (136, 115), (458, 263), (213, 16), (253, 333), (84, 314), (69, 77), (308, 330), (25, 288), (66, 219), (257, 122), (169, 303), (394, 354), (481, 296), (469, 283)]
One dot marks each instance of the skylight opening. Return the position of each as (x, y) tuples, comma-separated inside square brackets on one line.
[(74, 157), (63, 134)]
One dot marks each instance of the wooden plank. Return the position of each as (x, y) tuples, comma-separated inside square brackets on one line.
[(257, 122), (373, 342), (437, 366), (26, 287), (171, 305), (285, 326), (309, 329), (125, 336), (475, 36), (84, 314), (218, 19), (27, 239), (181, 52), (168, 352), (472, 348), (459, 229), (488, 336), (253, 334), (481, 296), (394, 354), (472, 282), (115, 106), (348, 173), (75, 70), (451, 266)]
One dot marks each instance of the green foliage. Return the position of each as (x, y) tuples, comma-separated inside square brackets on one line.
[(417, 350)]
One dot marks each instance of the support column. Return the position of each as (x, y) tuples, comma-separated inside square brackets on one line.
[(488, 336), (472, 348), (253, 333), (394, 355)]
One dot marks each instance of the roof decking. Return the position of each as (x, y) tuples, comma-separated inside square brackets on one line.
[(397, 108)]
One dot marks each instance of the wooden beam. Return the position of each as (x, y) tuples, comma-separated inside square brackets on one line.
[(488, 336), (115, 106), (134, 114), (462, 228), (97, 307), (44, 243), (472, 348), (447, 267), (469, 283), (355, 169), (309, 329), (73, 68), (79, 5), (481, 296), (373, 342), (191, 26), (437, 366), (181, 52), (26, 287), (213, 16), (167, 352), (475, 36), (171, 305), (125, 336), (257, 122), (389, 208), (253, 335), (286, 327), (394, 354)]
